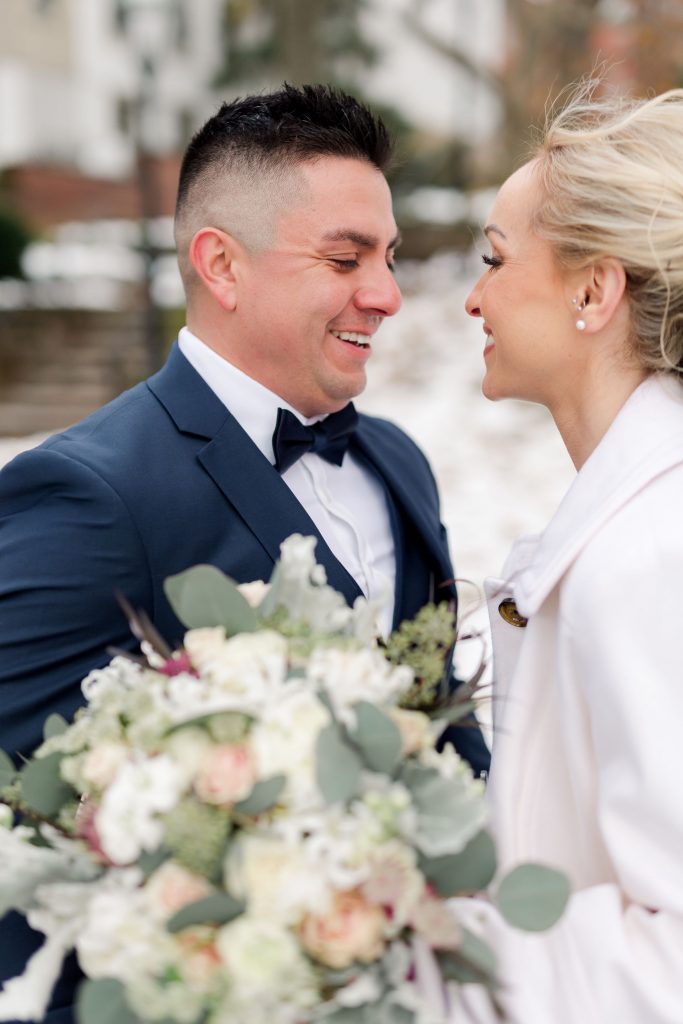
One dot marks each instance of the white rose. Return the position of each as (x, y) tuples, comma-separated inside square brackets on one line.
[(275, 879), (101, 764), (250, 665), (265, 962), (6, 816), (284, 740)]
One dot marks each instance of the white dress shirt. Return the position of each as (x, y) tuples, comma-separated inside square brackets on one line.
[(346, 503)]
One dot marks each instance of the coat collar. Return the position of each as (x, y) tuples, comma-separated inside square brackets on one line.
[(645, 440), (238, 468)]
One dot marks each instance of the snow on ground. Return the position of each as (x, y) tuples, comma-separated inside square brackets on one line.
[(501, 467)]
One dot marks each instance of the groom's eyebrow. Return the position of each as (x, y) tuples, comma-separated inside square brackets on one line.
[(359, 238), (493, 228)]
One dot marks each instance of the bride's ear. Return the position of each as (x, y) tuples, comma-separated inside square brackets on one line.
[(604, 291), (213, 254)]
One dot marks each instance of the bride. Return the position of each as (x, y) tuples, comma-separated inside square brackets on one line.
[(581, 303)]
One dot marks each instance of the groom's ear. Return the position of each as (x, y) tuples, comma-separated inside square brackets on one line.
[(213, 254), (605, 290)]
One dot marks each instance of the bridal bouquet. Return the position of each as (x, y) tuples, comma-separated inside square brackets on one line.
[(251, 829)]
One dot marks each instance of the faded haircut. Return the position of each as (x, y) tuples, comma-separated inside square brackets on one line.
[(241, 168)]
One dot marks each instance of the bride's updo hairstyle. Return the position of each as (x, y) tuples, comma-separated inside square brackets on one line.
[(612, 180)]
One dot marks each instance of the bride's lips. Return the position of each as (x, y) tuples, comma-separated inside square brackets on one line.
[(489, 339)]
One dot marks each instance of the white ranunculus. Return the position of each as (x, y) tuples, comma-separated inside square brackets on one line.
[(284, 740), (250, 666), (120, 939), (352, 676), (275, 878), (127, 820)]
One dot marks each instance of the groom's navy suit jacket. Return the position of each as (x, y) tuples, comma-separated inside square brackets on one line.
[(159, 480)]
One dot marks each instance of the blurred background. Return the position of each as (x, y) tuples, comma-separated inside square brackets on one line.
[(98, 99)]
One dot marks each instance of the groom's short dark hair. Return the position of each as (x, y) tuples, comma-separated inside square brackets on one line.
[(287, 126), (239, 164)]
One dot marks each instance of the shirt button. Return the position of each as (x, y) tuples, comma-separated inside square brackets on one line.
[(507, 610)]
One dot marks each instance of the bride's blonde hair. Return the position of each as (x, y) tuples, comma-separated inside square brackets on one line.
[(612, 179)]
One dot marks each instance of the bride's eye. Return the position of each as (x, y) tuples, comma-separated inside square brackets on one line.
[(491, 261)]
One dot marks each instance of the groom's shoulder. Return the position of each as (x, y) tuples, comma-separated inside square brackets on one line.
[(112, 443)]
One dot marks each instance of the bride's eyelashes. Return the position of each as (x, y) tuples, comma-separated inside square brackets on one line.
[(491, 261)]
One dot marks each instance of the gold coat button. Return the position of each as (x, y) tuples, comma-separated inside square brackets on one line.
[(507, 610)]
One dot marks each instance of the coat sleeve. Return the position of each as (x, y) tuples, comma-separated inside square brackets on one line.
[(67, 543), (617, 955)]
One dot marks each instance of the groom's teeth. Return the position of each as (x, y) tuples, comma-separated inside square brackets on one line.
[(352, 336)]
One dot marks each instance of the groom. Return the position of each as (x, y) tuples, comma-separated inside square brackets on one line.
[(286, 239)]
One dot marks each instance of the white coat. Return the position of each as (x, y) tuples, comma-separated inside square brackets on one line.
[(587, 768)]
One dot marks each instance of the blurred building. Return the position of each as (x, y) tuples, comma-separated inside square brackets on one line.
[(82, 81)]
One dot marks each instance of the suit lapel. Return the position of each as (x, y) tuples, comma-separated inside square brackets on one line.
[(389, 462), (247, 480)]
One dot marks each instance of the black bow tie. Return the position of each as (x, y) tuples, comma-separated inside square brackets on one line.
[(329, 438)]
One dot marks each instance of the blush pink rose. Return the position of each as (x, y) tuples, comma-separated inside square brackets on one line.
[(227, 773), (172, 887), (352, 930)]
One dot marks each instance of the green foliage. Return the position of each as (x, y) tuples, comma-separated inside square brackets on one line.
[(197, 836), (204, 596), (424, 644), (104, 1002), (338, 767), (471, 870), (532, 897), (42, 788), (263, 796), (7, 770), (472, 961), (219, 908), (377, 738), (449, 811)]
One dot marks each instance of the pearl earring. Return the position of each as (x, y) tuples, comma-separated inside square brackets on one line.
[(580, 323)]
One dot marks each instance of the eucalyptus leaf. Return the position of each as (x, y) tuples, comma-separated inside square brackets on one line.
[(450, 811), (532, 897), (103, 1001), (148, 862), (338, 767), (54, 725), (471, 870), (42, 788), (263, 796), (378, 739), (7, 770), (472, 962), (204, 596), (218, 908)]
